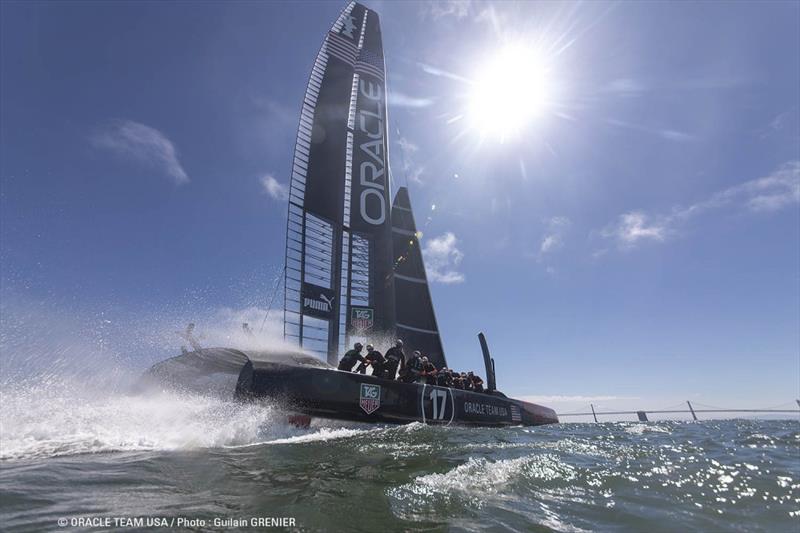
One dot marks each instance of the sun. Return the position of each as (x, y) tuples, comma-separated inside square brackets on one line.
[(509, 91)]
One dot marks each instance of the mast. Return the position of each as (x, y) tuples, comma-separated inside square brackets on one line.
[(416, 320), (339, 278)]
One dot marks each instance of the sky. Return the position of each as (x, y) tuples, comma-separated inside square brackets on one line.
[(634, 243)]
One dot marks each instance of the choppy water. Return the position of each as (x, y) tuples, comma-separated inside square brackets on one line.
[(115, 455)]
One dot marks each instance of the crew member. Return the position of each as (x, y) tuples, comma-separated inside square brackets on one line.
[(413, 368), (428, 374), (373, 358), (395, 358), (466, 381), (351, 358), (445, 377), (458, 383), (477, 382)]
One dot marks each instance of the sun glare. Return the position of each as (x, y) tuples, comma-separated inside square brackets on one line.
[(509, 91)]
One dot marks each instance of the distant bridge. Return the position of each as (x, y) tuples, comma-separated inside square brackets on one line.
[(642, 415)]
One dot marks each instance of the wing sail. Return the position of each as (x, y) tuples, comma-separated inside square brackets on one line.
[(338, 277)]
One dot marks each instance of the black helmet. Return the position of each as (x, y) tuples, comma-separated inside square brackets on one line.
[(417, 353), (469, 373), (358, 346)]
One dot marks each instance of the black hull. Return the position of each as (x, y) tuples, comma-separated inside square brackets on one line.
[(320, 391)]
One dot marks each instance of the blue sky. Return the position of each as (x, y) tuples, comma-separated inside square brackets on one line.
[(636, 244)]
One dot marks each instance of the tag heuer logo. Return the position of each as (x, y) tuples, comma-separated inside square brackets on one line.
[(361, 318), (370, 399)]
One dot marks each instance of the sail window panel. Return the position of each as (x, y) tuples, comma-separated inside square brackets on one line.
[(305, 125), (307, 113), (292, 323), (351, 116), (304, 132), (344, 289), (307, 117), (301, 156), (318, 251), (300, 166), (301, 153), (293, 255), (303, 135), (315, 334), (300, 163), (348, 178), (322, 252), (363, 30)]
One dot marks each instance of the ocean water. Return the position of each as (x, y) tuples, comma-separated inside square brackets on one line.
[(202, 464)]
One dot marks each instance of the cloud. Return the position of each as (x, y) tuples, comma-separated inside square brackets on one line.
[(435, 71), (398, 99), (442, 258), (635, 226), (554, 236), (144, 144), (577, 399), (625, 87), (274, 188), (669, 134), (769, 193), (438, 9)]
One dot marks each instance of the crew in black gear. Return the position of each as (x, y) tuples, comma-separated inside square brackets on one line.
[(458, 383), (413, 368), (444, 378), (375, 359), (466, 381), (477, 382), (428, 374), (395, 358), (351, 358)]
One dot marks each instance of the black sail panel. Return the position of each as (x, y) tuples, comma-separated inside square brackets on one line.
[(415, 318), (338, 237)]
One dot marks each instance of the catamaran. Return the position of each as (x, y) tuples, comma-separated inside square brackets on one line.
[(354, 269)]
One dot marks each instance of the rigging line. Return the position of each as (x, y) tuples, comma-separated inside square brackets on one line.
[(274, 293)]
